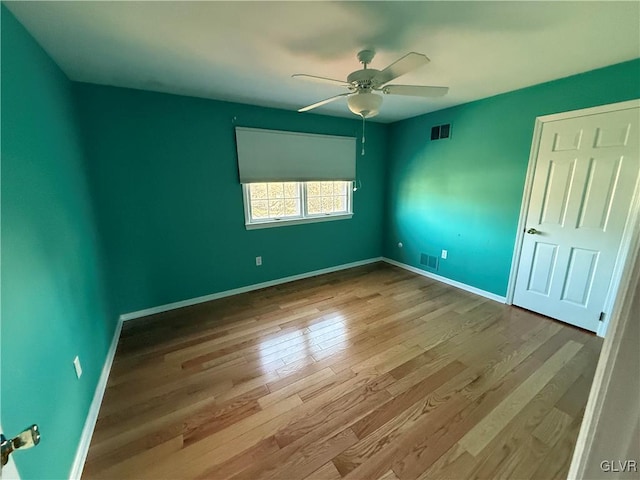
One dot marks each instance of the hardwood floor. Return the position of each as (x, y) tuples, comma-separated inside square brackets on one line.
[(369, 373)]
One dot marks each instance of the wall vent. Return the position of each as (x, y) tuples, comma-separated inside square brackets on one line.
[(441, 131), (435, 133), (429, 261)]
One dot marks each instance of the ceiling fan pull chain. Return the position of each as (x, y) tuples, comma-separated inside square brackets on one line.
[(363, 140)]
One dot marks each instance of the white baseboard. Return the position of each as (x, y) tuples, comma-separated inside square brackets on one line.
[(256, 286), (92, 416), (448, 281)]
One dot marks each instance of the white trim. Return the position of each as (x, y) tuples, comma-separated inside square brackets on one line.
[(608, 367), (583, 112), (448, 281), (628, 245), (524, 208), (623, 253), (8, 471), (296, 221), (256, 286), (94, 409)]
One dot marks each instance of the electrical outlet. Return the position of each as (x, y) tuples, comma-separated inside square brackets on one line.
[(77, 366), (444, 254), (258, 261)]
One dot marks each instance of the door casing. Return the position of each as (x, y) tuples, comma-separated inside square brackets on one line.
[(631, 221), (9, 471)]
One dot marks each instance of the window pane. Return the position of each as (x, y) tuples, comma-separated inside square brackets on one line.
[(340, 188), (258, 191), (327, 188), (291, 190), (276, 190), (327, 204), (340, 203), (291, 207), (276, 208), (259, 209), (313, 189), (314, 206)]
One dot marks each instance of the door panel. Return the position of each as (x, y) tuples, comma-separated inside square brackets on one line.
[(582, 265), (602, 179), (544, 259), (567, 140), (585, 175), (613, 135), (557, 188)]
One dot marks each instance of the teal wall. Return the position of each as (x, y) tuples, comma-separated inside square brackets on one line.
[(54, 300), (116, 200), (464, 194), (165, 179)]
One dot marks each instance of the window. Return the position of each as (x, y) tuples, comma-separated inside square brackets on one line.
[(271, 204), (327, 198), (294, 177), (274, 201)]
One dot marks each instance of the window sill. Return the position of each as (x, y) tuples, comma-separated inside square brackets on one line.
[(296, 221)]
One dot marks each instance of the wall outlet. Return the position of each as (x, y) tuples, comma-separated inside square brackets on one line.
[(444, 254), (77, 366), (258, 261)]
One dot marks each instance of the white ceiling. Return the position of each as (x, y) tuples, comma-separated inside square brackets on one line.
[(247, 51)]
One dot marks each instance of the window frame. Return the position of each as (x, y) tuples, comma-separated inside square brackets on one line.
[(304, 217)]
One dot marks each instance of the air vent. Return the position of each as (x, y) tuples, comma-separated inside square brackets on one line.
[(441, 131), (435, 133), (429, 261)]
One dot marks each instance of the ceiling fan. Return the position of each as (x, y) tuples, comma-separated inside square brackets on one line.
[(362, 84)]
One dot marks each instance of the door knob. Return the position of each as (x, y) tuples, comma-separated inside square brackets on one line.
[(27, 439), (533, 231)]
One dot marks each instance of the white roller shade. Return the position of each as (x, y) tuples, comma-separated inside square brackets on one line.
[(273, 155)]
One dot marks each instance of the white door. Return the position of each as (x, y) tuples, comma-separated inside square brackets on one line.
[(585, 175)]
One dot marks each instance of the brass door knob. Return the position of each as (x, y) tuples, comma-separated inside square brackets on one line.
[(27, 439)]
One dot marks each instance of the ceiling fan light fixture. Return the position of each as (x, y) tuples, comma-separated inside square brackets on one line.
[(365, 104)]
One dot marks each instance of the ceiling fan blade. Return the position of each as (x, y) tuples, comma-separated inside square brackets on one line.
[(415, 90), (313, 78), (409, 62), (323, 102)]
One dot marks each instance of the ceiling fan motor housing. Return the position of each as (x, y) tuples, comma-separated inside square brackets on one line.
[(362, 79)]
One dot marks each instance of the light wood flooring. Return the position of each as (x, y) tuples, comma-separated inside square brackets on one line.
[(369, 373)]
